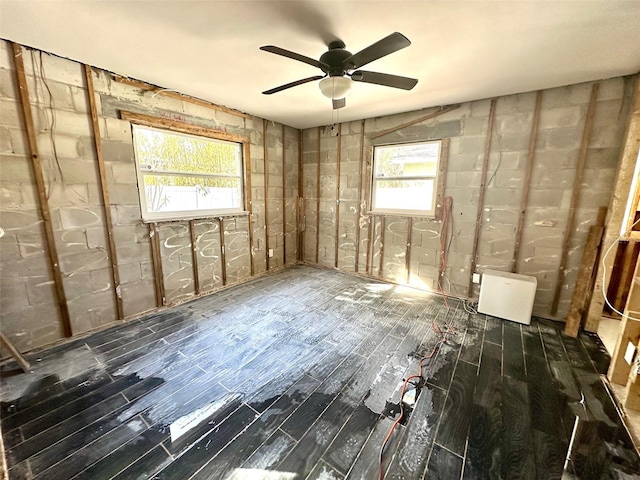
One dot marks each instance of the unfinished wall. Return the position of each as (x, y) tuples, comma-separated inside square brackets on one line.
[(60, 107), (380, 243)]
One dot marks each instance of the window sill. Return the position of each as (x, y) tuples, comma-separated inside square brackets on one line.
[(187, 218)]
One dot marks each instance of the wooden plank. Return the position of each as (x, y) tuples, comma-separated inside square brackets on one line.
[(223, 251), (583, 282), (318, 200), (41, 189), (248, 201), (383, 227), (97, 139), (266, 190), (180, 96), (632, 390), (301, 218), (338, 159), (524, 199), (194, 256), (442, 177), (483, 187), (15, 353), (156, 260), (407, 256), (413, 122), (182, 127), (372, 228), (359, 211), (575, 197), (284, 200)]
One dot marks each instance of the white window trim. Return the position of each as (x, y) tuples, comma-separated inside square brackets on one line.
[(177, 215), (407, 212)]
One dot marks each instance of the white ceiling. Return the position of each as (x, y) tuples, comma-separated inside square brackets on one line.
[(460, 50)]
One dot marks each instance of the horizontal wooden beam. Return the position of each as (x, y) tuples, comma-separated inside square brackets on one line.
[(413, 122), (182, 127)]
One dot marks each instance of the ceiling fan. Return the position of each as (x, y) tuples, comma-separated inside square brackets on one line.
[(341, 68)]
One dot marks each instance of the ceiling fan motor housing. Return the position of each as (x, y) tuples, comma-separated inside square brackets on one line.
[(334, 59)]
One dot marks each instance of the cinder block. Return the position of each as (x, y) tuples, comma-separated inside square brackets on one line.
[(122, 173), (138, 297), (116, 151), (70, 263), (568, 116), (513, 123), (118, 131), (8, 83), (124, 194)]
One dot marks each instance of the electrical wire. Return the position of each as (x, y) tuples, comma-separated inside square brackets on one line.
[(446, 237), (443, 338), (604, 272)]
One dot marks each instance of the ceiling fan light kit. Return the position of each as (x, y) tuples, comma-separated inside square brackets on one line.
[(338, 66)]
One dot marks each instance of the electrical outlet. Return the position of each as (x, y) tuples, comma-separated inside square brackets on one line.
[(476, 278), (270, 252)]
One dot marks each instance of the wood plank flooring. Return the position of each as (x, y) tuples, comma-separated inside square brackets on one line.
[(298, 375)]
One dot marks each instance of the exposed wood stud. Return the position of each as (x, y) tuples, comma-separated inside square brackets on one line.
[(223, 251), (248, 201), (194, 256), (318, 200), (372, 228), (50, 245), (176, 126), (408, 252), (533, 138), (156, 260), (97, 139), (413, 122), (383, 228), (443, 164), (179, 96), (284, 199), (585, 274), (338, 161), (300, 206), (15, 353), (265, 151), (367, 206), (575, 197), (483, 187), (359, 210)]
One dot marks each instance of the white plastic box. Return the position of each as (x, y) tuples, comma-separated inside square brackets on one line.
[(507, 295)]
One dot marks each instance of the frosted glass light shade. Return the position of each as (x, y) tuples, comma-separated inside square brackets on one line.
[(335, 87)]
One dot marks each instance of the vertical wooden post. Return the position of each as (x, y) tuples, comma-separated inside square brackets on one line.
[(359, 211), (483, 187), (300, 206), (43, 203), (372, 228), (575, 197), (284, 201), (443, 164), (318, 202), (338, 160), (194, 256), (223, 251), (383, 228), (97, 139), (156, 259), (527, 180), (266, 190), (408, 251), (248, 202)]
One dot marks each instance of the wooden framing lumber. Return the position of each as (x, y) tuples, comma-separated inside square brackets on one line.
[(300, 205), (318, 201), (359, 211), (43, 203), (338, 160), (407, 256), (176, 126), (575, 197), (284, 200), (413, 122), (265, 151), (372, 228), (102, 175), (15, 353), (383, 227), (585, 274), (442, 177), (223, 251), (248, 202), (524, 199), (194, 256), (156, 260), (483, 187), (180, 96)]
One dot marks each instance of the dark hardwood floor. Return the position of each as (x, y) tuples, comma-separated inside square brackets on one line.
[(298, 375)]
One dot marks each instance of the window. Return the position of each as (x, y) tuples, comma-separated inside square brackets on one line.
[(186, 176), (405, 178)]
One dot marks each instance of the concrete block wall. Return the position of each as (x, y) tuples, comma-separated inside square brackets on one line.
[(561, 125), (30, 313)]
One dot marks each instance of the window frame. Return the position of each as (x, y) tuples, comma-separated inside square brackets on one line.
[(437, 182), (176, 127)]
